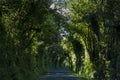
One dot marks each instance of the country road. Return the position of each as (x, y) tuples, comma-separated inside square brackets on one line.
[(58, 74)]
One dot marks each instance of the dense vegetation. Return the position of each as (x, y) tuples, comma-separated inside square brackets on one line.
[(82, 35)]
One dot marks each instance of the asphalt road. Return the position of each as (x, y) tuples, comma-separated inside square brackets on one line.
[(58, 74)]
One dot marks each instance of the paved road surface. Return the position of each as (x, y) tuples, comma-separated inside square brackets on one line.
[(58, 74)]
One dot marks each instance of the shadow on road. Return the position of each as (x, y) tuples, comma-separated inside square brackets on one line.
[(58, 74)]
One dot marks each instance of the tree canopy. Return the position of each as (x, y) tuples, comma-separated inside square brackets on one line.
[(39, 35)]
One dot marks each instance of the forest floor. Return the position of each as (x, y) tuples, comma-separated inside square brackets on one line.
[(58, 74)]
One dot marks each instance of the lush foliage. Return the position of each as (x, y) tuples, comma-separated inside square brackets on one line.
[(95, 26), (28, 29), (35, 38)]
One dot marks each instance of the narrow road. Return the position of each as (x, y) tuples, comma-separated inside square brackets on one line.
[(58, 74)]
